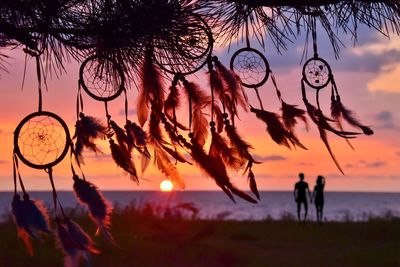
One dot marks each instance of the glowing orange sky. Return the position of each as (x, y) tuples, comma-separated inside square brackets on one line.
[(368, 77)]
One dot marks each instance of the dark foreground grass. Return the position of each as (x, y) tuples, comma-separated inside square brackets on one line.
[(147, 240)]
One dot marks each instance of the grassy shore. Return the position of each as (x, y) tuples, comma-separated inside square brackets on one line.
[(148, 239)]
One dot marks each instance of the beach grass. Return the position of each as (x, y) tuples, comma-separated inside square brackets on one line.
[(150, 237)]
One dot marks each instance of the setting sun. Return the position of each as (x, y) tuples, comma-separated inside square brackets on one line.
[(166, 186)]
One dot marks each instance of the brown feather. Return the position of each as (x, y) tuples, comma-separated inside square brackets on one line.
[(276, 130), (253, 184), (200, 126), (151, 82), (87, 130), (290, 114), (214, 168), (171, 104), (166, 167), (123, 159), (233, 85), (339, 111), (142, 107), (320, 120), (229, 155), (176, 154)]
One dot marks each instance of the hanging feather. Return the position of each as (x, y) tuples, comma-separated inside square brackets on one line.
[(99, 208), (290, 114), (175, 154), (229, 155), (339, 111), (123, 159), (20, 219), (151, 83), (74, 242), (195, 94), (142, 106), (243, 149), (253, 184), (335, 113), (37, 216), (200, 126), (164, 164), (120, 134), (214, 168), (137, 138), (87, 129), (31, 218), (171, 104), (321, 121), (276, 130), (233, 85)]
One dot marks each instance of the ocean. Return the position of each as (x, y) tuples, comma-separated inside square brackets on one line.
[(339, 206)]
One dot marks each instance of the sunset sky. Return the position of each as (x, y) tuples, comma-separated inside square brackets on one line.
[(368, 79)]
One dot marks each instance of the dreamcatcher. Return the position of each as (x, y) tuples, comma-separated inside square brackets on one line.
[(253, 70), (103, 79), (41, 141), (317, 74)]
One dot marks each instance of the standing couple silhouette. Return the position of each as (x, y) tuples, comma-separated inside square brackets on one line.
[(300, 196)]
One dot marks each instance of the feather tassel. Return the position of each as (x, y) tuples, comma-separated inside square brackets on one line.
[(233, 85), (290, 114), (200, 126), (252, 184), (276, 130), (164, 164), (87, 129), (99, 208), (31, 218), (120, 134), (74, 242), (229, 155), (123, 159), (214, 168), (171, 104), (142, 106), (339, 111), (151, 83)]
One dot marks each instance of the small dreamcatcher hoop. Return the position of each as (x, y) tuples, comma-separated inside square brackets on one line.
[(41, 140), (317, 73), (251, 66), (101, 77), (189, 50)]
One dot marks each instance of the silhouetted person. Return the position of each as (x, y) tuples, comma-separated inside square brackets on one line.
[(318, 196), (300, 189)]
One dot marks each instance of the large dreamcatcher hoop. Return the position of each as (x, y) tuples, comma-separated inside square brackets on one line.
[(41, 140), (101, 77), (188, 49)]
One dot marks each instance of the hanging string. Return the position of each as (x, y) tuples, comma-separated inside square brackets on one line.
[(79, 101), (107, 115), (16, 168), (317, 99), (247, 34), (126, 105), (210, 69), (49, 171), (73, 155), (314, 34), (39, 77), (259, 98)]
